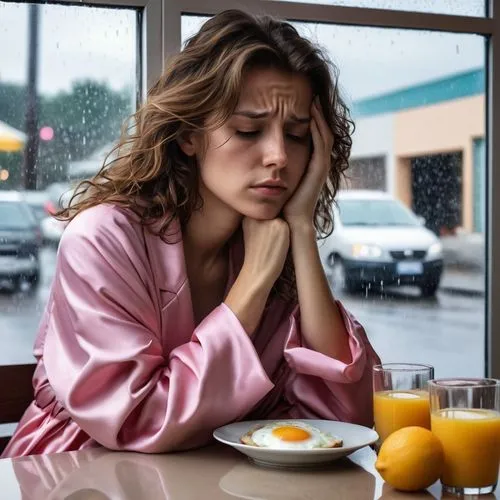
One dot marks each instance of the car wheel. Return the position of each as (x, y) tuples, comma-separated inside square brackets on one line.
[(429, 289), (340, 280)]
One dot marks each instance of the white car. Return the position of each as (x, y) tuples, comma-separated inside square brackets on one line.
[(60, 194), (378, 242), (52, 230)]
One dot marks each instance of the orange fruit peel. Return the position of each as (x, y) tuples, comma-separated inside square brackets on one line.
[(410, 459)]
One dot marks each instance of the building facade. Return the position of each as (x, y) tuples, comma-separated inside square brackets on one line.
[(426, 146)]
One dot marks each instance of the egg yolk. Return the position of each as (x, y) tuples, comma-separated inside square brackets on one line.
[(289, 433)]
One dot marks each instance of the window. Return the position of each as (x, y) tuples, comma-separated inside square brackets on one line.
[(409, 109), (455, 7), (375, 212), (367, 173), (86, 85), (412, 143), (15, 215)]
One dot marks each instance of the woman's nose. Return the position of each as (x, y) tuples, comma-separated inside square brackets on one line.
[(275, 152)]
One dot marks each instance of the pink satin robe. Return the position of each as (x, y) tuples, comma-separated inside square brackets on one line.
[(121, 363)]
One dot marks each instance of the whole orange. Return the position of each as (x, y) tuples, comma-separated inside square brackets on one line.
[(410, 459)]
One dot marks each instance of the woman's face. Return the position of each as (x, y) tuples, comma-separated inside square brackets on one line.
[(254, 162)]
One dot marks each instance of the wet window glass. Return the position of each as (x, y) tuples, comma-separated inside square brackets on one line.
[(407, 254), (476, 8), (415, 278), (14, 215), (375, 213), (67, 82)]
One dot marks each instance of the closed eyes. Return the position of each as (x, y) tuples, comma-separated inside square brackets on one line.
[(250, 134)]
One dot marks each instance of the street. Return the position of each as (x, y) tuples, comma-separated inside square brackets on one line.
[(446, 332)]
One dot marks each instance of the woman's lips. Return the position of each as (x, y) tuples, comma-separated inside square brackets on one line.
[(268, 190)]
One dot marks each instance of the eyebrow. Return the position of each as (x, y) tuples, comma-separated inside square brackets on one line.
[(264, 114)]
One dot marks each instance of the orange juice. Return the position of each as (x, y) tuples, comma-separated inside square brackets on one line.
[(471, 442), (396, 409)]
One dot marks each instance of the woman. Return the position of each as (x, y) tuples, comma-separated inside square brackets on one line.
[(188, 291)]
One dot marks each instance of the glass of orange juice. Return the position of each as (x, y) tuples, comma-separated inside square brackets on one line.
[(400, 397), (465, 416)]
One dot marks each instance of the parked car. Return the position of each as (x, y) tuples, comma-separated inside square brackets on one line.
[(39, 202), (20, 240), (59, 195), (377, 241)]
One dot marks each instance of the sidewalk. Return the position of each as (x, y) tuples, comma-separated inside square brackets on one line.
[(464, 264), (464, 251), (463, 282)]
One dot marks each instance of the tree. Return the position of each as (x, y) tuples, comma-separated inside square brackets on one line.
[(12, 104), (84, 119)]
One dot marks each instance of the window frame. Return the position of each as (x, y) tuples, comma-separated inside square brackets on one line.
[(160, 36)]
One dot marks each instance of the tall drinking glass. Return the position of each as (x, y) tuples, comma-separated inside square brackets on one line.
[(400, 397), (465, 416)]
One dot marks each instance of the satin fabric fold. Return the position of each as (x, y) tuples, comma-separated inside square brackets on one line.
[(121, 363)]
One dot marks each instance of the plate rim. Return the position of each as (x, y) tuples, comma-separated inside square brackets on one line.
[(316, 451)]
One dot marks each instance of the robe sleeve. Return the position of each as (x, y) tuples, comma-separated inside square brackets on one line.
[(105, 361), (324, 387)]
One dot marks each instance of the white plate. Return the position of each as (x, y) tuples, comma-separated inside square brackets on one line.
[(353, 436)]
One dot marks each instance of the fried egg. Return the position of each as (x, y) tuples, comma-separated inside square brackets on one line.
[(290, 435)]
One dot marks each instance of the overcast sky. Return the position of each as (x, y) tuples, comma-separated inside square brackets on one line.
[(81, 42), (75, 42)]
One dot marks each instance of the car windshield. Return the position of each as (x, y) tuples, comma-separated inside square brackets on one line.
[(38, 210), (15, 215), (362, 212)]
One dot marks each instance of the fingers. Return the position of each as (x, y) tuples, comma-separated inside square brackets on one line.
[(318, 143), (323, 128)]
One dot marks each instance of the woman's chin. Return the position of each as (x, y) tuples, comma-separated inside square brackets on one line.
[(262, 213)]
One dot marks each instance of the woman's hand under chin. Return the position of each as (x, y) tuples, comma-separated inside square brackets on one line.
[(266, 247), (299, 210)]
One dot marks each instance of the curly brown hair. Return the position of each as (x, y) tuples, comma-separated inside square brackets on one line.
[(148, 172)]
